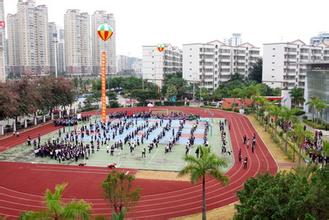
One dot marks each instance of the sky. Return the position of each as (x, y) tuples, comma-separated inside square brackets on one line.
[(150, 22)]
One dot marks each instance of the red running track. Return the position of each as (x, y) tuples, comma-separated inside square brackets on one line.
[(22, 185)]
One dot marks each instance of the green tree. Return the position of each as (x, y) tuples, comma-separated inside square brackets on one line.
[(58, 210), (273, 197), (171, 91), (143, 94), (299, 137), (320, 106), (297, 97), (204, 94), (312, 104), (8, 101), (256, 71), (176, 80), (119, 191), (208, 164), (318, 199)]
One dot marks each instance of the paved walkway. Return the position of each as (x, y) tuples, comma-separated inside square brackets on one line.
[(280, 157)]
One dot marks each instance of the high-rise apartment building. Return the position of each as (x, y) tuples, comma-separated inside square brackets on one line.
[(2, 43), (98, 18), (128, 64), (77, 42), (28, 46), (210, 64), (52, 36), (284, 64), (61, 52), (136, 66), (157, 64)]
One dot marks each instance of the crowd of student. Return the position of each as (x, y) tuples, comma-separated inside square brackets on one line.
[(70, 144), (70, 121), (314, 149)]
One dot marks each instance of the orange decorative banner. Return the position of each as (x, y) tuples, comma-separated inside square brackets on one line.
[(104, 32), (103, 84)]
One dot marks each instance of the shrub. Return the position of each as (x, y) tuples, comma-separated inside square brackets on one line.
[(299, 112), (114, 104), (317, 125)]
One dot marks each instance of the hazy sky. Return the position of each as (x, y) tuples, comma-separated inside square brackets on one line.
[(147, 22)]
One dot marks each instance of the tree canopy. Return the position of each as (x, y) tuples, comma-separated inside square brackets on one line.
[(120, 193), (287, 195), (57, 209), (256, 71), (27, 96)]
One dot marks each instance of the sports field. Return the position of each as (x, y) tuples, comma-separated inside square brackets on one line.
[(22, 184), (157, 159)]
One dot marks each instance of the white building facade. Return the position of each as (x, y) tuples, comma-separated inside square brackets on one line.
[(210, 64), (157, 64), (2, 43), (284, 64), (28, 43), (77, 43)]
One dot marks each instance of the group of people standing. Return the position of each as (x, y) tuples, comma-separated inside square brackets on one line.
[(314, 149), (247, 142)]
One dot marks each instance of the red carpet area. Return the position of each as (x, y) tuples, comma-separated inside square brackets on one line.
[(22, 184)]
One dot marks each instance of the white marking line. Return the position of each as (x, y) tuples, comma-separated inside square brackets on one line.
[(70, 171)]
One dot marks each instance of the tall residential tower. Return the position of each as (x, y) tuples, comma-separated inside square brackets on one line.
[(98, 18), (28, 43), (77, 42), (2, 43)]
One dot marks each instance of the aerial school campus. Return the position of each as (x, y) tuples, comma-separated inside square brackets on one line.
[(23, 183), (212, 131)]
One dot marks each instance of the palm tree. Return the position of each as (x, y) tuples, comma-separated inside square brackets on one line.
[(276, 112), (297, 96), (305, 171), (300, 135), (288, 116), (312, 104), (320, 106), (58, 210), (207, 165), (236, 93), (260, 104)]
